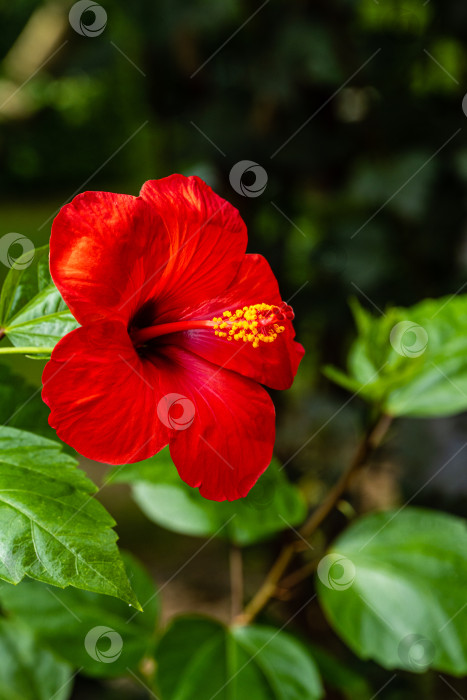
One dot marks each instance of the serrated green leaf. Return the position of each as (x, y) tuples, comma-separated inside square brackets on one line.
[(27, 670), (73, 623), (411, 362), (361, 316), (38, 454), (32, 312), (272, 505), (51, 528), (340, 378), (393, 587), (200, 658)]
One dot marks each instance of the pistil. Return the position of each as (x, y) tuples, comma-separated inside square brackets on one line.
[(255, 324), (142, 335)]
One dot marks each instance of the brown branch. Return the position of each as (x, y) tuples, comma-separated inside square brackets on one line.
[(299, 575), (369, 443), (236, 580)]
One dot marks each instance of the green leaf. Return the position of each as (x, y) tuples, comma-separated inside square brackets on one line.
[(32, 312), (412, 361), (27, 671), (341, 676), (200, 658), (99, 635), (21, 405), (342, 379), (393, 587), (271, 505), (51, 527)]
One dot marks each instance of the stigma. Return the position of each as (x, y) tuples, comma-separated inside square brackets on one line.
[(255, 324)]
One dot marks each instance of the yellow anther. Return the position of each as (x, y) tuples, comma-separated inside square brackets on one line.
[(255, 324)]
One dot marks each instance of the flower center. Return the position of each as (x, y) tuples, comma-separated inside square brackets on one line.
[(255, 324), (259, 323)]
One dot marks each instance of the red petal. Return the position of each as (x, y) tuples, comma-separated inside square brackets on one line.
[(178, 243), (102, 395), (229, 442), (114, 407), (103, 249), (207, 242), (274, 364)]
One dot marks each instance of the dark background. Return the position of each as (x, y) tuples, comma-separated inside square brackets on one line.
[(367, 199)]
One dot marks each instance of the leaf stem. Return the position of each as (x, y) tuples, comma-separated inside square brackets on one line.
[(25, 350), (371, 440)]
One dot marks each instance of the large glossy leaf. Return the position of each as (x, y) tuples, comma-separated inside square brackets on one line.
[(411, 361), (271, 505), (98, 634), (32, 312), (27, 670), (200, 658), (394, 588), (51, 527)]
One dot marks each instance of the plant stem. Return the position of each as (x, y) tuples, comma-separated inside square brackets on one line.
[(236, 580), (368, 444), (25, 350), (297, 576)]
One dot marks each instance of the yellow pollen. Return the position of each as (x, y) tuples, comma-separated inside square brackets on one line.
[(255, 324)]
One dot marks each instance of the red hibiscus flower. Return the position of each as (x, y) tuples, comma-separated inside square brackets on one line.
[(178, 330)]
